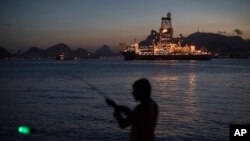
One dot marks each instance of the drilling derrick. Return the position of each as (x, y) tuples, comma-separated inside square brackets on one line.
[(166, 30)]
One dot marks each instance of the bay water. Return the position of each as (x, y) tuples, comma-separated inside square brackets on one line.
[(65, 100)]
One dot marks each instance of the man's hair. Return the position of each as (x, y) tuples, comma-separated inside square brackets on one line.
[(143, 86)]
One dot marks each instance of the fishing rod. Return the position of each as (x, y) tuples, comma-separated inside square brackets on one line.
[(89, 84)]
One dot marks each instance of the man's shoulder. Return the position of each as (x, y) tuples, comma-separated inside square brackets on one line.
[(138, 107), (154, 103), (149, 105)]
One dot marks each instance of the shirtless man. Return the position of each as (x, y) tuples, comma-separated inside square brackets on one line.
[(143, 118)]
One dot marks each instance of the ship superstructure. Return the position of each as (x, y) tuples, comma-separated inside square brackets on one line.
[(164, 47)]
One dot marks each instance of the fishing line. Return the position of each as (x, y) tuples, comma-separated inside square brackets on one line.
[(26, 130), (39, 80)]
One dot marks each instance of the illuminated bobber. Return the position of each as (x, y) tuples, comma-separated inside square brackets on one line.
[(25, 130)]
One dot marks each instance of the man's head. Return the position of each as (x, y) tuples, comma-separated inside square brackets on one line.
[(141, 90)]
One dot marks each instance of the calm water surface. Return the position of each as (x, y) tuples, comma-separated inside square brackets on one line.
[(198, 100)]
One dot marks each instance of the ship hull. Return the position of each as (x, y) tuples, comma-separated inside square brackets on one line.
[(133, 56)]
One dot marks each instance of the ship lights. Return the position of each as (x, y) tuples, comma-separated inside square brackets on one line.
[(165, 30)]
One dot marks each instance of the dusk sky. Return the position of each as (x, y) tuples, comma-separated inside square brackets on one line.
[(91, 23)]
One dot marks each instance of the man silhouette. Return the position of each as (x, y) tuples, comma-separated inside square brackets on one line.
[(143, 118)]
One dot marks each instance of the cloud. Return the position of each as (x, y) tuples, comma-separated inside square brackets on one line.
[(238, 31)]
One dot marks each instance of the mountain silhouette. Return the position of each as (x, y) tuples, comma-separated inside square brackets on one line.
[(80, 53), (204, 39), (104, 51), (34, 52), (4, 53), (58, 49), (232, 46)]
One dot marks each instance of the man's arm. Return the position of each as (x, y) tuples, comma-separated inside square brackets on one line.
[(125, 110), (122, 121), (111, 103)]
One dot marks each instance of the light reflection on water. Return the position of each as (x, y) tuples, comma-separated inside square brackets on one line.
[(180, 107), (198, 100)]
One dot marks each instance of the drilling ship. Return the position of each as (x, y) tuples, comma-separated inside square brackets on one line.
[(164, 47)]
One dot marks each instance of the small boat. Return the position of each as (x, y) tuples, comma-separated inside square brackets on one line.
[(60, 56)]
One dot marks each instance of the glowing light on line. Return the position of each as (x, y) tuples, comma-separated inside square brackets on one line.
[(24, 130)]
